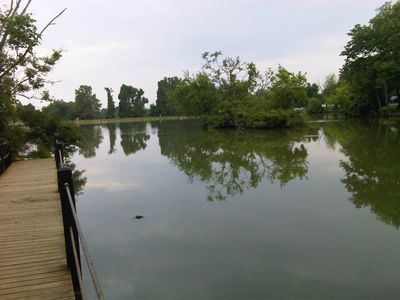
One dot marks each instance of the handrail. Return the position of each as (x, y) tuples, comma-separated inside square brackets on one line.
[(73, 233), (85, 248)]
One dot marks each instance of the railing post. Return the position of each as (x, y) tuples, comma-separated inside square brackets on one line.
[(65, 179), (58, 153)]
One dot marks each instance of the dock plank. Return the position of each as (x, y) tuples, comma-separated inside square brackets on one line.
[(32, 252)]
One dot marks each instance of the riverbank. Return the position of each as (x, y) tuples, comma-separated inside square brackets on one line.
[(130, 120)]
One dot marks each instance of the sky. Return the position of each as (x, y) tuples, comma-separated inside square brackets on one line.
[(109, 43)]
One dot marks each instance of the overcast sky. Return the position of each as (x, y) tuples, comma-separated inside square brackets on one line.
[(138, 42)]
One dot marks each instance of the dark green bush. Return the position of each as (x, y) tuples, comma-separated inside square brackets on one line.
[(255, 114)]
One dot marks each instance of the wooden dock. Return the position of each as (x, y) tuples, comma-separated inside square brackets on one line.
[(33, 262)]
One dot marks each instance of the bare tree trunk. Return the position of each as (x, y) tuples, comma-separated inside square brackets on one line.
[(378, 100)]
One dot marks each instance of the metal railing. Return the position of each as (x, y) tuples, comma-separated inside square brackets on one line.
[(72, 230), (5, 157)]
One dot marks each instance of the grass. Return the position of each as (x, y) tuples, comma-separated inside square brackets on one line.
[(129, 120)]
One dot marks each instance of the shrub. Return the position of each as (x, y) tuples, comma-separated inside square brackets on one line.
[(254, 114)]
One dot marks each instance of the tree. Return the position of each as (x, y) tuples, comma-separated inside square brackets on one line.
[(288, 89), (233, 78), (154, 110), (314, 101), (230, 93), (23, 74), (131, 102), (343, 99), (372, 59), (65, 110), (110, 104), (39, 129), (21, 69), (312, 90), (164, 105), (86, 104), (196, 96), (329, 86)]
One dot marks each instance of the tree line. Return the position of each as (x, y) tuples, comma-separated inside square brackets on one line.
[(198, 94), (87, 105)]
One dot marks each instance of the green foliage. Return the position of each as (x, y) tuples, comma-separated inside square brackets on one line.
[(314, 105), (131, 102), (86, 104), (255, 114), (154, 111), (231, 93), (312, 90), (344, 100), (233, 78), (65, 110), (195, 96), (288, 90), (35, 138), (21, 69), (329, 86), (110, 104), (372, 60), (164, 105), (390, 110)]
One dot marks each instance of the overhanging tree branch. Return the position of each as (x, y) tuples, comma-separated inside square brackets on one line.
[(29, 48)]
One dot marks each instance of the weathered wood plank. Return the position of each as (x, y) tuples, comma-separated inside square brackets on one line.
[(32, 251)]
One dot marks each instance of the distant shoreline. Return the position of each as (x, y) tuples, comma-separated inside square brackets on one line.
[(130, 120)]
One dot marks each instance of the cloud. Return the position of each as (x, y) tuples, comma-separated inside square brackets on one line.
[(318, 58), (140, 42)]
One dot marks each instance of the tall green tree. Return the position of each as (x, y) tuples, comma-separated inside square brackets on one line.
[(288, 89), (164, 105), (196, 96), (329, 86), (312, 90), (372, 60), (86, 103), (110, 104), (131, 102)]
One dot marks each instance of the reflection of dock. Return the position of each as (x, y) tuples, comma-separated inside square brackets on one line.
[(32, 249)]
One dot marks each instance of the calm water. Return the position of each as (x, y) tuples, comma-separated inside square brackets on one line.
[(311, 213)]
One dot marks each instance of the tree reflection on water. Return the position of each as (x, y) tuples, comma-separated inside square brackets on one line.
[(232, 161), (372, 173), (133, 137)]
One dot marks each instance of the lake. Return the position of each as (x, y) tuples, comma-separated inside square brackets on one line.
[(308, 213)]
